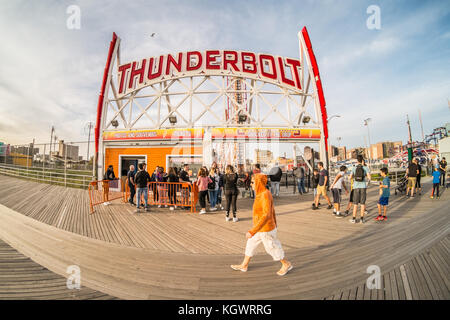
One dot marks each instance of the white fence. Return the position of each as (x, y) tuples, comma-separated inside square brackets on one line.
[(62, 177)]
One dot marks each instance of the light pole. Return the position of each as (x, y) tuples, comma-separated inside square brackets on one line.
[(329, 145), (339, 147), (366, 123)]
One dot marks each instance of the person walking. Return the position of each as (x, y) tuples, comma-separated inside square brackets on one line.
[(230, 180), (443, 168), (361, 177), (213, 188), (202, 182), (350, 200), (315, 181), (173, 179), (220, 191), (419, 176), (299, 174), (275, 178), (385, 193), (436, 183), (123, 180), (186, 186), (336, 190), (131, 184), (142, 178), (154, 187), (411, 172), (264, 229), (161, 178), (322, 187), (109, 176)]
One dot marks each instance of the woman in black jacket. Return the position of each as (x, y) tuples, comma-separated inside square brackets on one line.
[(231, 191)]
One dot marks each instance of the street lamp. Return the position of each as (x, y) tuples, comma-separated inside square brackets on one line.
[(366, 123), (329, 145)]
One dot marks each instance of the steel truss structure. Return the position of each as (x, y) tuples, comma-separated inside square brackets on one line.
[(202, 99)]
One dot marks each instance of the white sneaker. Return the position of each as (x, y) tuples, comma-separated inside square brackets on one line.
[(203, 211), (159, 206), (213, 209), (235, 219), (227, 219), (105, 203), (171, 208), (175, 207), (166, 206)]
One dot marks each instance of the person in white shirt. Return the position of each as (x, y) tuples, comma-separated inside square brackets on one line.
[(336, 190)]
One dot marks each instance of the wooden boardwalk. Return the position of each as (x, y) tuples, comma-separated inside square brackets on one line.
[(22, 278), (424, 277), (170, 255)]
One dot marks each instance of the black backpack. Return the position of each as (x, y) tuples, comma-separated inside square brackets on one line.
[(212, 185), (360, 174)]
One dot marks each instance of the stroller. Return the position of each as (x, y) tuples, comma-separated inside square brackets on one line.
[(401, 186)]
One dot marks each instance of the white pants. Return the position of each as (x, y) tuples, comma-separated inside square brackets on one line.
[(270, 242)]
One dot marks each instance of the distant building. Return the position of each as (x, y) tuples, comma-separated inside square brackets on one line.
[(263, 157), (387, 149), (342, 153), (69, 151), (444, 148)]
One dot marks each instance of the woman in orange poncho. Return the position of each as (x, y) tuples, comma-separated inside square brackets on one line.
[(264, 228)]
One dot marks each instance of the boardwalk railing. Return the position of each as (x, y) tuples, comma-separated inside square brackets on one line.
[(103, 191), (171, 194), (62, 177)]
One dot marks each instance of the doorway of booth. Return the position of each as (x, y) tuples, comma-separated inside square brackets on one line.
[(124, 166)]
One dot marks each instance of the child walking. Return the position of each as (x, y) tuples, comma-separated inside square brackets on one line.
[(384, 195), (336, 190), (436, 182)]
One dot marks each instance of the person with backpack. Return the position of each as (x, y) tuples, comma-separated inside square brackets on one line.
[(361, 177), (275, 178), (322, 187), (213, 188), (142, 178), (336, 190), (230, 180), (202, 182)]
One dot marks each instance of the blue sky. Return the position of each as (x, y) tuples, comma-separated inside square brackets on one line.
[(51, 75)]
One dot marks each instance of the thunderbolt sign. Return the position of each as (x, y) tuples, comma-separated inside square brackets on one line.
[(275, 69)]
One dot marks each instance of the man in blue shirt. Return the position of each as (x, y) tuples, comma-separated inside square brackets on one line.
[(384, 195), (361, 179)]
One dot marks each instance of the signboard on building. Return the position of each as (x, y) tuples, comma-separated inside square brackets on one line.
[(216, 133)]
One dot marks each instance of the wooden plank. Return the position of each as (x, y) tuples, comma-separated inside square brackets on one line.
[(387, 287), (406, 283), (400, 288), (421, 281), (424, 269)]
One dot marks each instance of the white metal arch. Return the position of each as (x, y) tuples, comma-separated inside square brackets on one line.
[(203, 99)]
